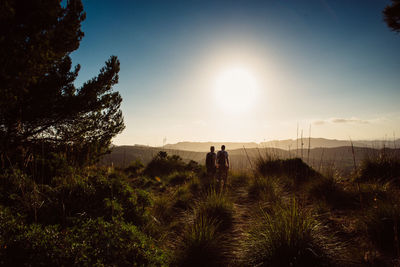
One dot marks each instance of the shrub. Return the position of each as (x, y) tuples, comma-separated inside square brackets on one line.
[(162, 165), (372, 192), (98, 195), (147, 183), (200, 244), (294, 169), (178, 178), (194, 166), (382, 168), (87, 243), (216, 206), (135, 168), (285, 238)]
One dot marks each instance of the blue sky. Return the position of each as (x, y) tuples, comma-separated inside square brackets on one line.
[(333, 65)]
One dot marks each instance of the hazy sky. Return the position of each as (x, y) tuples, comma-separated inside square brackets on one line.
[(333, 65)]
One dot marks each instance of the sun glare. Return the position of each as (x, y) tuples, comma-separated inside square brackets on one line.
[(235, 90)]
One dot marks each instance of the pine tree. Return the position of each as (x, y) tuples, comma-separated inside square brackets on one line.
[(39, 103), (392, 15)]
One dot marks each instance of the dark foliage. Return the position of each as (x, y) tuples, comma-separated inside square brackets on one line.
[(383, 168), (327, 189), (162, 165), (217, 207), (287, 237), (88, 243), (200, 244), (98, 195), (294, 168), (263, 188), (382, 222), (135, 168), (392, 15), (40, 108)]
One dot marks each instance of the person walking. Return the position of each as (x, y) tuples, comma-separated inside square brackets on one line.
[(211, 163), (223, 167)]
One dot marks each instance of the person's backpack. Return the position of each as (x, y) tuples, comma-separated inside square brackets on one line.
[(221, 160), (209, 160)]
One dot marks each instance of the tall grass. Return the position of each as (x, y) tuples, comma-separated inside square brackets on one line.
[(216, 206), (264, 188), (200, 244), (329, 190), (294, 169), (287, 237), (384, 167), (382, 225)]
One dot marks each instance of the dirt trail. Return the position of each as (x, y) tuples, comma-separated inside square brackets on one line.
[(243, 208)]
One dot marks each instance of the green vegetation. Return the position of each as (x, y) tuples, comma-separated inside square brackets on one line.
[(108, 216), (381, 168), (57, 207), (169, 213), (294, 169), (217, 207), (286, 237), (200, 244)]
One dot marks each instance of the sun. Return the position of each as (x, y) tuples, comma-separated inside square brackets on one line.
[(235, 90)]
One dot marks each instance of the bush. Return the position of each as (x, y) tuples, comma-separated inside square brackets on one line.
[(98, 195), (178, 178), (135, 168), (200, 244), (372, 193), (295, 169), (285, 238), (162, 165), (218, 207), (87, 243), (382, 168)]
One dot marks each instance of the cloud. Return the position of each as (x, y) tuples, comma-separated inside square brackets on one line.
[(342, 120), (319, 122), (351, 120)]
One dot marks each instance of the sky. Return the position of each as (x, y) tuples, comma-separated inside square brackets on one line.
[(246, 70)]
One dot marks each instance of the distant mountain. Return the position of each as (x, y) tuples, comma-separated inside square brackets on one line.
[(289, 144), (205, 146)]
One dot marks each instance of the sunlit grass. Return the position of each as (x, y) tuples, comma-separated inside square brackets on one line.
[(286, 237)]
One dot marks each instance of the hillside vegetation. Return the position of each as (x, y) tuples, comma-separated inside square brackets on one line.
[(168, 212), (341, 158)]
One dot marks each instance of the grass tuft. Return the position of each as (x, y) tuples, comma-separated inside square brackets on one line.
[(263, 188), (381, 168), (218, 207), (200, 244), (287, 237), (382, 225)]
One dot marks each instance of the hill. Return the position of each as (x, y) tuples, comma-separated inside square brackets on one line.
[(319, 158), (288, 144)]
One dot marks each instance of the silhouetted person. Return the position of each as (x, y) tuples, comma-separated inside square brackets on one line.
[(211, 163), (223, 166)]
